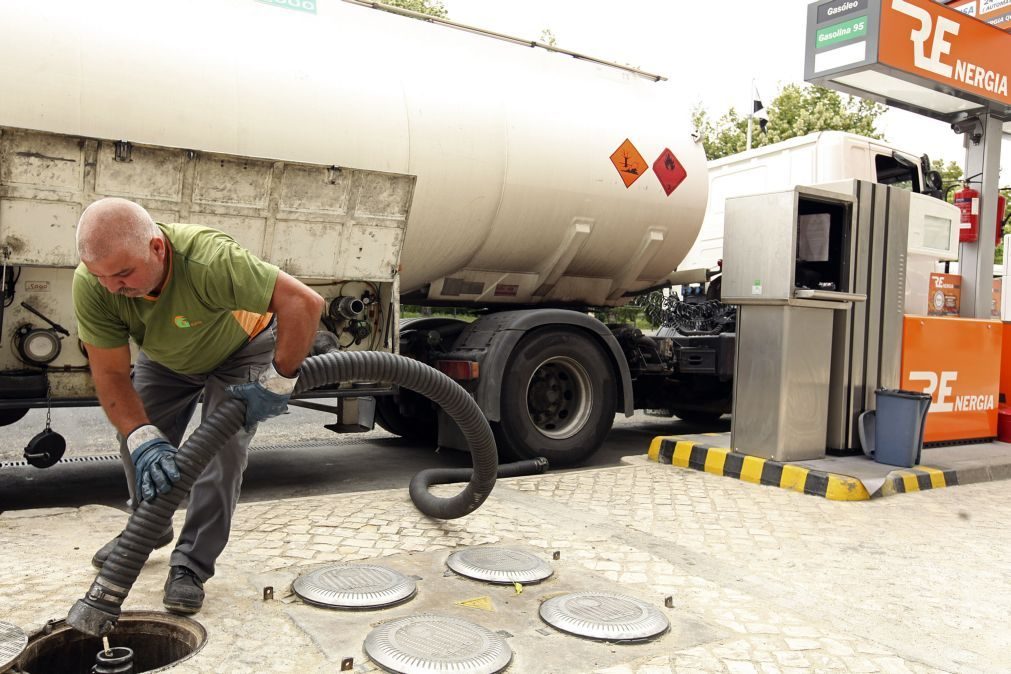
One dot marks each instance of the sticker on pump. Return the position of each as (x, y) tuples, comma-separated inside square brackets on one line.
[(669, 171), (629, 163)]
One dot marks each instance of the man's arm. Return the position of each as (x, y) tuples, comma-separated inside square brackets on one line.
[(298, 309), (110, 370), (152, 455)]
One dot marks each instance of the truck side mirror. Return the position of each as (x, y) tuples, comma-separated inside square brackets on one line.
[(933, 184)]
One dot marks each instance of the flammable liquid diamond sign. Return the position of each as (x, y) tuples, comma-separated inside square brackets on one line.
[(669, 171)]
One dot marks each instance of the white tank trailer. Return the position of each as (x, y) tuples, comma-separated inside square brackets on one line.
[(383, 159)]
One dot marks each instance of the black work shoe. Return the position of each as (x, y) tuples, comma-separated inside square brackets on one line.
[(103, 552), (184, 592)]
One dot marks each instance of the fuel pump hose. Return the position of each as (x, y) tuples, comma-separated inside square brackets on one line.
[(97, 613)]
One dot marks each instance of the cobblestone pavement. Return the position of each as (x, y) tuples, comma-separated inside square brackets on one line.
[(762, 580)]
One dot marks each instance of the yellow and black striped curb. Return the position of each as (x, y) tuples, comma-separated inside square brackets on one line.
[(917, 478), (722, 461)]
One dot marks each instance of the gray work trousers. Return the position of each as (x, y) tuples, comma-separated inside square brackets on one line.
[(170, 398)]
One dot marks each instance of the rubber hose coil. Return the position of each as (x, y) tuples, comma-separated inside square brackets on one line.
[(96, 614)]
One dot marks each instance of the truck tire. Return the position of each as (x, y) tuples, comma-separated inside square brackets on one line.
[(558, 399), (11, 415), (423, 424), (423, 428)]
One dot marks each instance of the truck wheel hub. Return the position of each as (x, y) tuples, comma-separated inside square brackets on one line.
[(558, 398)]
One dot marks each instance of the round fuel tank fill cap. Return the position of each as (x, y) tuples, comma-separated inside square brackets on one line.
[(12, 644), (432, 644), (499, 565), (354, 586), (605, 616)]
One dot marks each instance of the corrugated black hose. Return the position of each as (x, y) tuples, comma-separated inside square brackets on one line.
[(424, 479), (96, 614)]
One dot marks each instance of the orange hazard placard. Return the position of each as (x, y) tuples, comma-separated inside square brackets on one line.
[(629, 162), (945, 45), (956, 361)]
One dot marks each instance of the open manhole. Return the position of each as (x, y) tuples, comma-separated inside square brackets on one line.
[(158, 641), (354, 586), (605, 616), (499, 565), (431, 644)]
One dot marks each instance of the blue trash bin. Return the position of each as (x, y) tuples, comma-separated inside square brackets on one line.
[(893, 434)]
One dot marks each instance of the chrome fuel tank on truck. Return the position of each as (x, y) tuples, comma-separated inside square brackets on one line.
[(516, 200)]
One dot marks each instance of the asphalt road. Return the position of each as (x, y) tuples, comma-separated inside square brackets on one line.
[(292, 456)]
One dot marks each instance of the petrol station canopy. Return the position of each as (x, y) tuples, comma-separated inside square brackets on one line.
[(917, 55)]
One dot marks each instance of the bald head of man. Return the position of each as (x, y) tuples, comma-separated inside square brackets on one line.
[(122, 247)]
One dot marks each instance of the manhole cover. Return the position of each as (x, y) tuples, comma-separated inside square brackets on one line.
[(12, 644), (604, 615), (431, 644), (499, 565), (354, 586)]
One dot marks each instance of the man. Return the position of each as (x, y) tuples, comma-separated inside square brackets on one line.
[(210, 318)]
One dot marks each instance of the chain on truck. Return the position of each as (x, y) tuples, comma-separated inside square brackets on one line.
[(527, 186)]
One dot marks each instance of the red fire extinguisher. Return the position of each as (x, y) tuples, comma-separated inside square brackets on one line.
[(967, 200)]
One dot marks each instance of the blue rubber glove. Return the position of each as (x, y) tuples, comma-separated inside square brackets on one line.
[(154, 461), (266, 397)]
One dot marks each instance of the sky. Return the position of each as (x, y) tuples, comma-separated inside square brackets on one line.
[(713, 53)]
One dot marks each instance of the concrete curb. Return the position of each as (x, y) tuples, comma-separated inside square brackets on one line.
[(753, 469), (920, 478)]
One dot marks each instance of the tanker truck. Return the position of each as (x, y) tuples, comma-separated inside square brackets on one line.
[(381, 159)]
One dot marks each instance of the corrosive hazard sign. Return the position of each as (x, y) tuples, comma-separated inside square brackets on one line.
[(629, 162)]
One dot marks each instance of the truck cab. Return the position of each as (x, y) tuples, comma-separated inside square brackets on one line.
[(819, 157)]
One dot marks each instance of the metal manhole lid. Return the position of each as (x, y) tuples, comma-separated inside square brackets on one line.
[(431, 644), (13, 641), (499, 565), (604, 615), (356, 586)]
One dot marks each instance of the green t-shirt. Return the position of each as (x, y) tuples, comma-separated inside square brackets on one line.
[(215, 299)]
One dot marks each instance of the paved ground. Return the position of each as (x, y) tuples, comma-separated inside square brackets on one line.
[(761, 579)]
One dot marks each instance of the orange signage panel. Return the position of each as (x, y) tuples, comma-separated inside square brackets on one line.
[(945, 294), (958, 362), (629, 163), (947, 46), (994, 12)]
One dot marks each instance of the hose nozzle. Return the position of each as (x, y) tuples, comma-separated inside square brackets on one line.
[(93, 620)]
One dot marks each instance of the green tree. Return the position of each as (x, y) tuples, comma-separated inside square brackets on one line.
[(430, 7), (998, 253), (796, 111)]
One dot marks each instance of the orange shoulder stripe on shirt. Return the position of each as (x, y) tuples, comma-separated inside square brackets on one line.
[(252, 324)]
